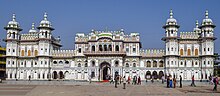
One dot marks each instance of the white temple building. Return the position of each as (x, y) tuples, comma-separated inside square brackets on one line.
[(101, 54)]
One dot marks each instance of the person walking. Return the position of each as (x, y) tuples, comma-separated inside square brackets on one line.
[(215, 83), (139, 80), (171, 82), (129, 79), (90, 79), (162, 79), (193, 81), (29, 77), (180, 81), (168, 81), (174, 82), (124, 82), (116, 81)]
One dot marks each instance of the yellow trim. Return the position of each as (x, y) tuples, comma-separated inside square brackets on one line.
[(2, 62), (1, 48)]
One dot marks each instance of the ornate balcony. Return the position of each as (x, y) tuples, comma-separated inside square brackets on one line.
[(105, 53)]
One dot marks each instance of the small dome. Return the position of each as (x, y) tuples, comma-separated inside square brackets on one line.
[(45, 22), (13, 23), (171, 20), (207, 20), (32, 30), (197, 29)]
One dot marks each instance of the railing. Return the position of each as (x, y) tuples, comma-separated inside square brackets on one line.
[(104, 52)]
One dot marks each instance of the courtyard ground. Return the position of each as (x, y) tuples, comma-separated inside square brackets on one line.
[(72, 88)]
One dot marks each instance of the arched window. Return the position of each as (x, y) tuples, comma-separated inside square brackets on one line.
[(100, 47), (181, 51), (110, 47), (188, 52), (61, 62), (116, 64), (127, 65), (66, 62), (29, 52), (93, 63), (54, 62), (79, 65), (161, 64), (196, 52), (105, 47), (116, 48), (148, 64), (22, 52), (35, 52), (155, 64), (134, 64), (93, 48), (86, 65)]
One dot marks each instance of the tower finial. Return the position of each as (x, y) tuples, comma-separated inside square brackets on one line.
[(197, 23), (13, 17), (32, 26), (171, 13), (206, 14), (45, 16)]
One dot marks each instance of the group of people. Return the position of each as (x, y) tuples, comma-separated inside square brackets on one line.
[(214, 80), (171, 82), (119, 79)]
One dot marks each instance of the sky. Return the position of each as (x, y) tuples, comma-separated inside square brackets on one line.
[(143, 16)]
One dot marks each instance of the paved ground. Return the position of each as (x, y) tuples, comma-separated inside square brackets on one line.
[(71, 88)]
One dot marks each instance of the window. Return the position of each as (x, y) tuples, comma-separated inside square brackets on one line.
[(134, 50), (29, 52), (161, 64), (134, 64), (13, 62), (35, 63), (172, 49), (181, 51), (66, 62), (13, 50), (116, 48), (61, 62), (86, 65), (35, 52), (8, 50), (196, 52), (110, 47), (127, 65), (168, 49), (105, 47), (100, 47), (54, 62), (127, 50), (8, 62), (93, 63), (79, 65), (181, 63), (93, 48), (188, 52), (45, 62), (22, 52), (79, 50), (148, 64), (93, 74), (116, 64), (208, 49), (46, 50)]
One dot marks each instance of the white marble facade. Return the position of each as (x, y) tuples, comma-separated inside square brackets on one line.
[(101, 54)]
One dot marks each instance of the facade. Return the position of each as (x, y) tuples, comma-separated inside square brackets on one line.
[(2, 63), (104, 54)]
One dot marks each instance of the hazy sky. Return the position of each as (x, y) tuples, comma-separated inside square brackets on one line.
[(144, 16)]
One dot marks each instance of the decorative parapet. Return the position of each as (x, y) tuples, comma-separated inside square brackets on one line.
[(189, 35), (152, 53), (63, 53), (29, 36)]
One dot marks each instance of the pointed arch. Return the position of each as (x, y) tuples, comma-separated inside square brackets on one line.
[(181, 51), (22, 52), (196, 52), (35, 52), (29, 52)]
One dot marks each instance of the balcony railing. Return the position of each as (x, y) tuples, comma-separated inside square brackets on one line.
[(104, 53)]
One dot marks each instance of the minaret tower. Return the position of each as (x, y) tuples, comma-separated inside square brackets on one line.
[(171, 43), (45, 46), (12, 47), (207, 46)]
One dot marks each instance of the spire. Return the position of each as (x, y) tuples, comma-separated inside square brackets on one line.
[(13, 17), (206, 14), (171, 13), (32, 26), (45, 16), (197, 23)]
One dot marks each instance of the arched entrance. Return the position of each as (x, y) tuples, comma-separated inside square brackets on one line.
[(54, 75), (148, 75), (61, 75), (105, 71), (161, 74), (154, 75)]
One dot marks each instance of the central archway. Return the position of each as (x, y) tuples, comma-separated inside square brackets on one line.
[(105, 71)]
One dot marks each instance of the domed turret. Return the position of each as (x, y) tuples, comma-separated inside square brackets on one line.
[(196, 29), (13, 24), (207, 21), (32, 30), (171, 21), (45, 23)]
